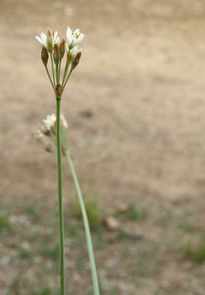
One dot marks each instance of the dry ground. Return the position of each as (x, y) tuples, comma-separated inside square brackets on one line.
[(142, 78)]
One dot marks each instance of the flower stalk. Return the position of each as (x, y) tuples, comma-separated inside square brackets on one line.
[(52, 65), (60, 198), (55, 126)]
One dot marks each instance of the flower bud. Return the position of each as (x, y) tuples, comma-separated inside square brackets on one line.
[(76, 60), (56, 54), (64, 150), (49, 40), (44, 55), (58, 91), (62, 48)]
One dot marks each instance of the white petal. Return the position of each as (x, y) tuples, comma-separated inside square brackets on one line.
[(55, 35), (39, 39), (70, 41), (74, 51), (58, 40), (68, 33), (63, 121), (74, 42), (44, 39), (76, 32), (67, 47), (43, 36), (69, 36), (80, 38), (77, 39)]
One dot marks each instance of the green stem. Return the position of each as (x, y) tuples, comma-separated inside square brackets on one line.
[(86, 225), (57, 73), (49, 76), (67, 78), (60, 201), (52, 64), (68, 61)]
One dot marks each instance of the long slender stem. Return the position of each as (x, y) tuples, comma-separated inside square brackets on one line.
[(67, 78), (68, 61), (57, 73), (52, 64), (49, 76), (86, 225), (60, 201), (59, 70)]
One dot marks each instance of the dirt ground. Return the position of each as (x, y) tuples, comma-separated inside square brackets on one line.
[(141, 78)]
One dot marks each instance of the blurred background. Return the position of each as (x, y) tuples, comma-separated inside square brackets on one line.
[(135, 109)]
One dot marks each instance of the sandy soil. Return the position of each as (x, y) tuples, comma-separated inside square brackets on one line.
[(142, 78)]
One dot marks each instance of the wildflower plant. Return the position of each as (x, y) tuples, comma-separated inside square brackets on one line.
[(53, 132)]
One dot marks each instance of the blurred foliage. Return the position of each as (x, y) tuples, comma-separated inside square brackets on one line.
[(4, 222), (195, 251), (92, 210)]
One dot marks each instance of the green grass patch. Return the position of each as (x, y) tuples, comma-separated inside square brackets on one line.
[(137, 214), (50, 252), (167, 217), (195, 251), (15, 283), (125, 236), (74, 231), (114, 290), (32, 211), (25, 253), (92, 210), (44, 291), (145, 264), (186, 222), (4, 222)]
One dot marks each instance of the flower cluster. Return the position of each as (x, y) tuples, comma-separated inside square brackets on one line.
[(55, 48), (46, 133)]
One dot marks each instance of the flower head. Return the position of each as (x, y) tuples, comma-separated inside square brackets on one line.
[(46, 133), (55, 49), (50, 122), (73, 38), (73, 51), (49, 40), (38, 135)]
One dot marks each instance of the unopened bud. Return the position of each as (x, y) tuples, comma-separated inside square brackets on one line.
[(62, 48), (76, 60), (49, 40), (56, 54), (58, 91), (64, 150), (44, 55)]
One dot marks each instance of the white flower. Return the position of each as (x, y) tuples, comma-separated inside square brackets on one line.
[(69, 35), (64, 122), (38, 135), (73, 38), (46, 133), (73, 51), (44, 40), (56, 39), (50, 121)]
